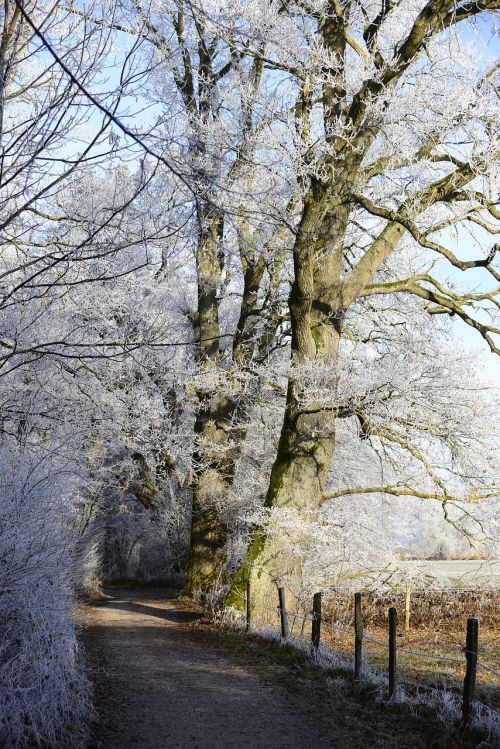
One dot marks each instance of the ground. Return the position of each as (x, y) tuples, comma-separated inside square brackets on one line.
[(158, 683), (164, 678)]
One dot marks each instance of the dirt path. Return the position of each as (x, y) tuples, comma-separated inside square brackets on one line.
[(159, 684)]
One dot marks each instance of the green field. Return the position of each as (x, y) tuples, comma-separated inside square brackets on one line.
[(466, 573)]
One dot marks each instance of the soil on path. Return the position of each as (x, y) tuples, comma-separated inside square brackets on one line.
[(158, 684)]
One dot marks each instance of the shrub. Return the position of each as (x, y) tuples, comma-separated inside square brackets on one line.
[(44, 697)]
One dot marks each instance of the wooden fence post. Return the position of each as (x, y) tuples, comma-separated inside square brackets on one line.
[(316, 620), (283, 613), (248, 605), (358, 636), (393, 624), (408, 604), (471, 648)]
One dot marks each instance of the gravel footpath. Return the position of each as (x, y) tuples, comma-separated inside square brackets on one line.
[(158, 683)]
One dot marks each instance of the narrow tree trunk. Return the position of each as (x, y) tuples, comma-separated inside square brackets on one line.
[(220, 430), (207, 542), (219, 440), (207, 529)]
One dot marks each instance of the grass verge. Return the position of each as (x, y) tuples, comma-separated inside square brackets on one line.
[(356, 714)]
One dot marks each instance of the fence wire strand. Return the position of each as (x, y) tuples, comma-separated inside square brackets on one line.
[(489, 669), (367, 638)]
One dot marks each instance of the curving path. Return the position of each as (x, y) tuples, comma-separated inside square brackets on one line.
[(159, 684)]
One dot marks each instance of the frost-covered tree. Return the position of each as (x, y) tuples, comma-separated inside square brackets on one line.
[(66, 190), (329, 145), (68, 236), (416, 429), (391, 133), (233, 289)]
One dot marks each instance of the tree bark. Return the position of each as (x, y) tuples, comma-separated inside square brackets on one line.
[(219, 441), (220, 425), (307, 439)]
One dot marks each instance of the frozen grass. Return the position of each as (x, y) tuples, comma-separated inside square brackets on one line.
[(444, 703)]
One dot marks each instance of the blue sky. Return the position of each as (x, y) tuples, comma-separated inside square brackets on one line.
[(487, 40)]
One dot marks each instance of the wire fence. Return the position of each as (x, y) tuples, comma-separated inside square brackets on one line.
[(469, 660), (349, 631)]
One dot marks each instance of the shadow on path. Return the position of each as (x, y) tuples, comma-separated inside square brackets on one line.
[(174, 615), (161, 682)]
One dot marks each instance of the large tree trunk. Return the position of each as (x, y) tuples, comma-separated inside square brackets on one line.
[(297, 483), (307, 439)]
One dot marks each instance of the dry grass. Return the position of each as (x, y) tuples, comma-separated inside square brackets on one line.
[(424, 669), (437, 630), (357, 714)]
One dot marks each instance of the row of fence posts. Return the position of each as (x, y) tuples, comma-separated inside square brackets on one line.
[(471, 644)]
